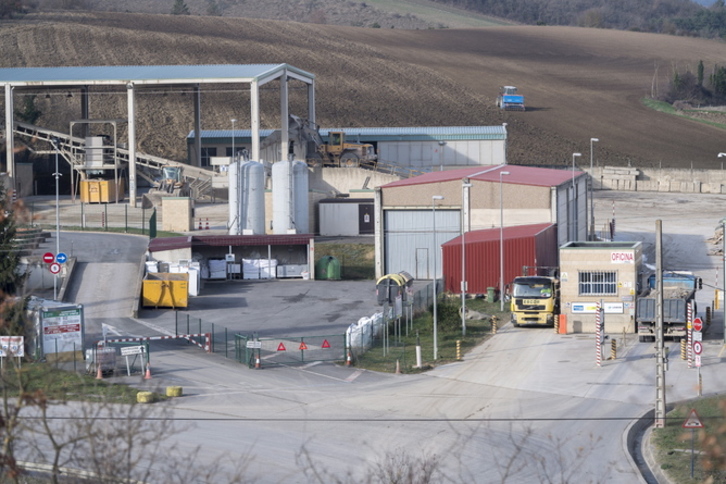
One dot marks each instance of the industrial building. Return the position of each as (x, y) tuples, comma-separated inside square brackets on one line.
[(415, 216), (419, 148), (599, 272)]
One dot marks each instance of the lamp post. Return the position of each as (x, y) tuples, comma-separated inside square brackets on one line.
[(721, 155), (441, 155), (501, 242), (233, 121), (436, 336), (574, 199), (592, 202), (57, 215), (465, 186)]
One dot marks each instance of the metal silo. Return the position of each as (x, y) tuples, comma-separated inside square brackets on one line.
[(246, 198), (290, 197)]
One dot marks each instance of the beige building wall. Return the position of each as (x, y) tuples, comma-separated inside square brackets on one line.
[(623, 258)]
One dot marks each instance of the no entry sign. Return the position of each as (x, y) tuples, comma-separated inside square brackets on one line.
[(48, 258), (697, 324)]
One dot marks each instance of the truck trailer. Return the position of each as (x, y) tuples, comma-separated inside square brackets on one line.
[(679, 290)]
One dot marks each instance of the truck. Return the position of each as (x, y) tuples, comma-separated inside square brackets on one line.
[(679, 289), (509, 100), (535, 300)]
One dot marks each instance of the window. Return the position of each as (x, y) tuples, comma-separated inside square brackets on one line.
[(206, 154), (598, 283)]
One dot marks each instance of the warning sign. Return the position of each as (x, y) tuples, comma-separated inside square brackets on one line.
[(281, 347), (325, 344), (303, 346), (693, 422)]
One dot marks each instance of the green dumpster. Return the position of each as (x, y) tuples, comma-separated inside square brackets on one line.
[(491, 294), (327, 268)]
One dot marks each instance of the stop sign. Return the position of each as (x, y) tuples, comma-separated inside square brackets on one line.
[(48, 257), (697, 324)]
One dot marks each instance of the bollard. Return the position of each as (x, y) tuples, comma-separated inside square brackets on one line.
[(683, 349), (708, 316), (458, 349), (398, 367), (613, 349), (557, 325), (494, 320)]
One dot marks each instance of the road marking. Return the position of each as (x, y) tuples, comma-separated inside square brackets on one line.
[(354, 376)]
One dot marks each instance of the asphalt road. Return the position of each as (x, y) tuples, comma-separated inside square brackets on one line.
[(527, 406)]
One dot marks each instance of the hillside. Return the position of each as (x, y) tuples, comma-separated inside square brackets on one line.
[(579, 83)]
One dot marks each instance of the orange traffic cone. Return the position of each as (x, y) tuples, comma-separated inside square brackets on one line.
[(348, 360), (257, 363), (99, 373), (147, 376)]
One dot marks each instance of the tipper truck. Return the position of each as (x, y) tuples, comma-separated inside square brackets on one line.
[(509, 100), (679, 289), (535, 300)]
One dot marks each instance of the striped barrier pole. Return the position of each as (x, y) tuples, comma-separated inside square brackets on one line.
[(689, 336), (598, 336)]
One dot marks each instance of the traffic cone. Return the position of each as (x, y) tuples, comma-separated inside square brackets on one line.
[(200, 224), (348, 360), (99, 374), (207, 226), (147, 376), (257, 363)]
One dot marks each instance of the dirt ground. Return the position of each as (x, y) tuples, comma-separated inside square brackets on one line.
[(579, 83)]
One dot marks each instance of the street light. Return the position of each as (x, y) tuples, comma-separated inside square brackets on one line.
[(574, 198), (233, 121), (57, 215), (465, 186), (441, 155), (501, 243), (433, 212), (721, 155), (592, 202)]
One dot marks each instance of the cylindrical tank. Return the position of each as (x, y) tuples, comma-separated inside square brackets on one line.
[(252, 198), (290, 197), (246, 198), (233, 216)]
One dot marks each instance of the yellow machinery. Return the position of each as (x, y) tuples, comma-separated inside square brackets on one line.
[(337, 152)]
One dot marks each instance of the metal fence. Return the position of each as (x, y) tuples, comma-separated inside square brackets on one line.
[(93, 216), (289, 350)]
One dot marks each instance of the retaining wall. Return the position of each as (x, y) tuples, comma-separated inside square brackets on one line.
[(658, 179)]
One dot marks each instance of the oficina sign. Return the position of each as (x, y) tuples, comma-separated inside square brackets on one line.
[(622, 257)]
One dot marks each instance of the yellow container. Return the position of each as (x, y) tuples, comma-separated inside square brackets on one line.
[(102, 191), (163, 289)]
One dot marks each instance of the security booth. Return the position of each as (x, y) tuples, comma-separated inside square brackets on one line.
[(599, 273)]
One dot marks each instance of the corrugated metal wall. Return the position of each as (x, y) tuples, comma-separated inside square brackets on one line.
[(483, 260), (410, 243), (428, 154)]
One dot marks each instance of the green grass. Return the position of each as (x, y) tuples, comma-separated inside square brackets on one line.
[(673, 442), (60, 385), (664, 107), (437, 14), (357, 261), (401, 352)]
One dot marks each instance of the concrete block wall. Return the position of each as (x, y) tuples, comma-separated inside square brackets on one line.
[(659, 179)]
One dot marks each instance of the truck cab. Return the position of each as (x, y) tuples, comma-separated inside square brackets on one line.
[(534, 300)]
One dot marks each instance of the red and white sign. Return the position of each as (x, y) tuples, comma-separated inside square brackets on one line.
[(48, 257), (54, 268), (622, 257), (697, 347), (697, 324), (693, 422)]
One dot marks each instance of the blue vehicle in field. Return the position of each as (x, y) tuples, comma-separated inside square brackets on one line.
[(509, 100)]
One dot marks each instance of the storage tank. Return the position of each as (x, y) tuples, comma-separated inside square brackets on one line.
[(290, 197), (246, 198)]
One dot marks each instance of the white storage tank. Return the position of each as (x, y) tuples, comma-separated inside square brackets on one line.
[(246, 198), (290, 197)]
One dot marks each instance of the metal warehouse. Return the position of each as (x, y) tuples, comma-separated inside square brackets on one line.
[(423, 148), (524, 245), (414, 217)]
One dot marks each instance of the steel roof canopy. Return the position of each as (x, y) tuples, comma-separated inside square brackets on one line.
[(155, 75)]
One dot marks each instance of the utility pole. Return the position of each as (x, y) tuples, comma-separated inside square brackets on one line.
[(660, 357)]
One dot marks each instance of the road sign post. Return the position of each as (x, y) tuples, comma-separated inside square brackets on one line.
[(693, 423)]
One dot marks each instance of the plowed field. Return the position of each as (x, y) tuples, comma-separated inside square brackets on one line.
[(579, 83)]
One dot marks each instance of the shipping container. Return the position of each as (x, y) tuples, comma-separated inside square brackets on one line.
[(524, 245)]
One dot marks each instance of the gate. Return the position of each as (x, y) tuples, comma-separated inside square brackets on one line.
[(289, 350)]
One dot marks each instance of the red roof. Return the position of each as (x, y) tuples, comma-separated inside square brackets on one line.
[(515, 232), (185, 242), (518, 175)]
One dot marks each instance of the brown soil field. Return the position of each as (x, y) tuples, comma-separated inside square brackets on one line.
[(579, 83)]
